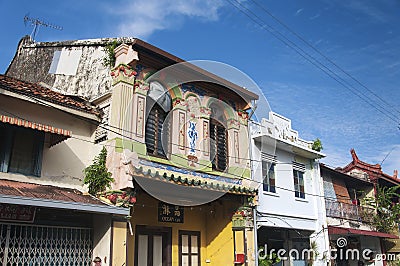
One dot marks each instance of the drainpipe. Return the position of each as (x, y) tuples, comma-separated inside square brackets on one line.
[(255, 237), (254, 210), (252, 177)]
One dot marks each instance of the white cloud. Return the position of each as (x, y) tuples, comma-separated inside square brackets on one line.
[(335, 157), (315, 17), (299, 11), (141, 18), (367, 8)]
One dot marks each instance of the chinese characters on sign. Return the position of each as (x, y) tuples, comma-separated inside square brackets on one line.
[(170, 213), (10, 212)]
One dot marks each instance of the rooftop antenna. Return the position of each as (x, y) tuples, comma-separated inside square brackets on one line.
[(36, 23)]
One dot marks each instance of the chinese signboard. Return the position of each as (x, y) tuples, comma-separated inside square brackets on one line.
[(170, 213), (10, 212)]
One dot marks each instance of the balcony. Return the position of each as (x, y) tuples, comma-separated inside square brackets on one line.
[(348, 211)]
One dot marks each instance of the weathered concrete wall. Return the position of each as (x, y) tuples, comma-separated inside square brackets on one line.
[(32, 63)]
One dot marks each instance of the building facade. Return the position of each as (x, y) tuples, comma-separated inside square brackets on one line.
[(388, 242), (177, 146), (350, 219), (45, 215), (185, 140), (290, 215)]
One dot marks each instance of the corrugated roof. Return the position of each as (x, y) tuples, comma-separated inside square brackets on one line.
[(29, 190), (43, 93), (335, 230)]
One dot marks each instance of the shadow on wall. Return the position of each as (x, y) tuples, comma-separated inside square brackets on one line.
[(63, 165)]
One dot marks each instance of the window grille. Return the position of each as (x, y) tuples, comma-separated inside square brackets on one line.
[(218, 145), (156, 126), (45, 245), (100, 134)]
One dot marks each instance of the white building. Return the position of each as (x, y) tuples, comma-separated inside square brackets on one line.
[(291, 211)]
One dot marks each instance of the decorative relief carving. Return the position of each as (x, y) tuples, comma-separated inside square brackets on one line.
[(193, 107), (141, 87), (192, 136), (182, 130), (140, 116), (206, 144), (125, 70), (123, 74), (236, 145), (205, 111), (179, 102), (243, 114)]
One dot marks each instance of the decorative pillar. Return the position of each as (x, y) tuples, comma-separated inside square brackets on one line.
[(120, 116), (204, 138), (179, 126), (122, 92), (238, 145)]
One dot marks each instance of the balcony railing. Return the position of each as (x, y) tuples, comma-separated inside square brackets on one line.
[(348, 211)]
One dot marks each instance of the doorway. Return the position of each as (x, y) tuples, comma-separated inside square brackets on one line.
[(153, 246)]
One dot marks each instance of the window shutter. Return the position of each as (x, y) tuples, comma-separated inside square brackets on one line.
[(299, 167), (38, 153), (219, 150), (268, 157), (6, 139), (154, 131), (151, 131)]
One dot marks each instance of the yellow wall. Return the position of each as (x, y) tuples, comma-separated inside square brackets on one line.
[(213, 220), (119, 243), (220, 249)]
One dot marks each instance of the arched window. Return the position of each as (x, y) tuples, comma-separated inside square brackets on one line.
[(157, 124), (219, 139)]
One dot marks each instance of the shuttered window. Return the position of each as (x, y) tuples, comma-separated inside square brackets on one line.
[(189, 248), (21, 150), (298, 179), (268, 172), (157, 131), (219, 145)]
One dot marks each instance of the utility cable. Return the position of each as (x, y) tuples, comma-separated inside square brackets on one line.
[(311, 59), (324, 56), (207, 165)]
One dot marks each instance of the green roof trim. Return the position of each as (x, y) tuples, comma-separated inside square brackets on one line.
[(202, 183)]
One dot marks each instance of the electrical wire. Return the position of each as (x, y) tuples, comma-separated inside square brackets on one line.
[(207, 165), (324, 56), (311, 59), (118, 130)]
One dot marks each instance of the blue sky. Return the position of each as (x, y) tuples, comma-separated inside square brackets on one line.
[(361, 36)]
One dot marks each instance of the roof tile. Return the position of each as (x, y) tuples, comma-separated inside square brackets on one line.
[(29, 190), (38, 91)]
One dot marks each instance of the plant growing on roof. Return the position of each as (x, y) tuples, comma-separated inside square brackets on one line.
[(109, 49), (96, 175), (386, 216), (317, 145)]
